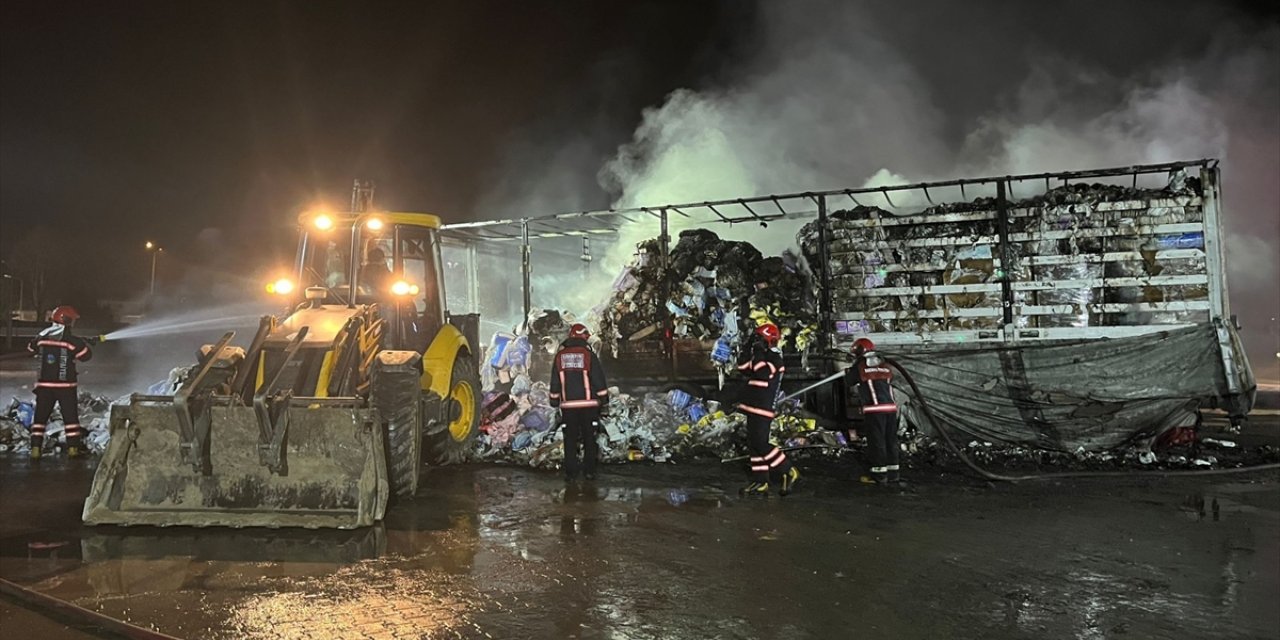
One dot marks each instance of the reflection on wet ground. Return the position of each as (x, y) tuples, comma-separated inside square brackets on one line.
[(671, 552)]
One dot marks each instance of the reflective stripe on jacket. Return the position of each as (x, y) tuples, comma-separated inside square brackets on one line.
[(577, 379), (763, 369), (58, 352), (873, 381)]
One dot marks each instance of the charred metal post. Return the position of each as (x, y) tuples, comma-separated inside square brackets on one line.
[(525, 267), (1006, 256), (825, 314), (664, 260), (473, 278)]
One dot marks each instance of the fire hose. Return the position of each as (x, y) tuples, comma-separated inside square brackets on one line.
[(942, 430), (76, 612)]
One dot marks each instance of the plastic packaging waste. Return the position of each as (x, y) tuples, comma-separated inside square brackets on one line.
[(1194, 240), (25, 413), (722, 351)]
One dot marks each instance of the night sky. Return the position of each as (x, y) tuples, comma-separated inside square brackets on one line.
[(164, 120), (207, 126)]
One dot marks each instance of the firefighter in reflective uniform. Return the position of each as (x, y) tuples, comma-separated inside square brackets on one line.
[(761, 363), (579, 389), (871, 379), (58, 351)]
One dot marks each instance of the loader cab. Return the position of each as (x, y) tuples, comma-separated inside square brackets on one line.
[(391, 260)]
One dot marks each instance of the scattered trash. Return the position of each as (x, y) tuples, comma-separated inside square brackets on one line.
[(1225, 444), (17, 417)]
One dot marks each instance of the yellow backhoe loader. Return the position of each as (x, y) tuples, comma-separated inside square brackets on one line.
[(327, 412)]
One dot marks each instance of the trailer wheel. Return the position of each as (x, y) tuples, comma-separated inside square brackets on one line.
[(454, 443), (398, 397)]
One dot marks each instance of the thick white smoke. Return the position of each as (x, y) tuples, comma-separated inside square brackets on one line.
[(827, 101)]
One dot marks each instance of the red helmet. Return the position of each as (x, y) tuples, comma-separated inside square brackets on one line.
[(863, 345), (579, 330), (65, 313), (769, 331)]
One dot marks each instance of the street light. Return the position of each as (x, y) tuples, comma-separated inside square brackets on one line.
[(155, 252), (8, 321)]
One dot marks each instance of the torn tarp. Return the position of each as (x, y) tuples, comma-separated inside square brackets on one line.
[(1093, 395)]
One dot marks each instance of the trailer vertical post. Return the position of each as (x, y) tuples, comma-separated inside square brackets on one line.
[(1219, 303), (825, 314), (473, 278), (525, 268), (1006, 256), (664, 249)]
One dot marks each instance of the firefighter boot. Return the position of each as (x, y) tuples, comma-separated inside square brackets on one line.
[(789, 481), (75, 448), (756, 488)]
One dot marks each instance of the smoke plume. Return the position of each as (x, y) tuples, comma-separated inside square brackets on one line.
[(837, 95)]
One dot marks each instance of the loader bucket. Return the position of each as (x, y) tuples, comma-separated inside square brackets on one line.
[(327, 468)]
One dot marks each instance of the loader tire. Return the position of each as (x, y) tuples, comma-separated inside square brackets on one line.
[(456, 441), (398, 398)]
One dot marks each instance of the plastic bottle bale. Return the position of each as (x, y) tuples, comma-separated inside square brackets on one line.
[(1078, 299)]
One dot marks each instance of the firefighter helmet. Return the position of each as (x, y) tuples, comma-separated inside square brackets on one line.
[(769, 331), (579, 330), (863, 345), (64, 314)]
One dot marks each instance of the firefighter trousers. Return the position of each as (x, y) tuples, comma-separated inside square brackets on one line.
[(766, 460), (67, 402), (580, 426), (881, 432)]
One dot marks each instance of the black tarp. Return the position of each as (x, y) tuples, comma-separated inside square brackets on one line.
[(1094, 394)]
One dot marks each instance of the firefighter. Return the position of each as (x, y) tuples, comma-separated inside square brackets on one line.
[(58, 351), (579, 390), (871, 379), (761, 363)]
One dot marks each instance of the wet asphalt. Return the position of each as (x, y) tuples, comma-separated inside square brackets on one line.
[(670, 551)]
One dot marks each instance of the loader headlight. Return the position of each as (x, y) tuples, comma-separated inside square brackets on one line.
[(374, 224), (283, 286), (322, 222), (402, 288)]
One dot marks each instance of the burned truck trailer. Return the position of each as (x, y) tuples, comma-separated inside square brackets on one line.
[(1057, 310)]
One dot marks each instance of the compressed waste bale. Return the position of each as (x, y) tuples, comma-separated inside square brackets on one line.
[(870, 248)]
